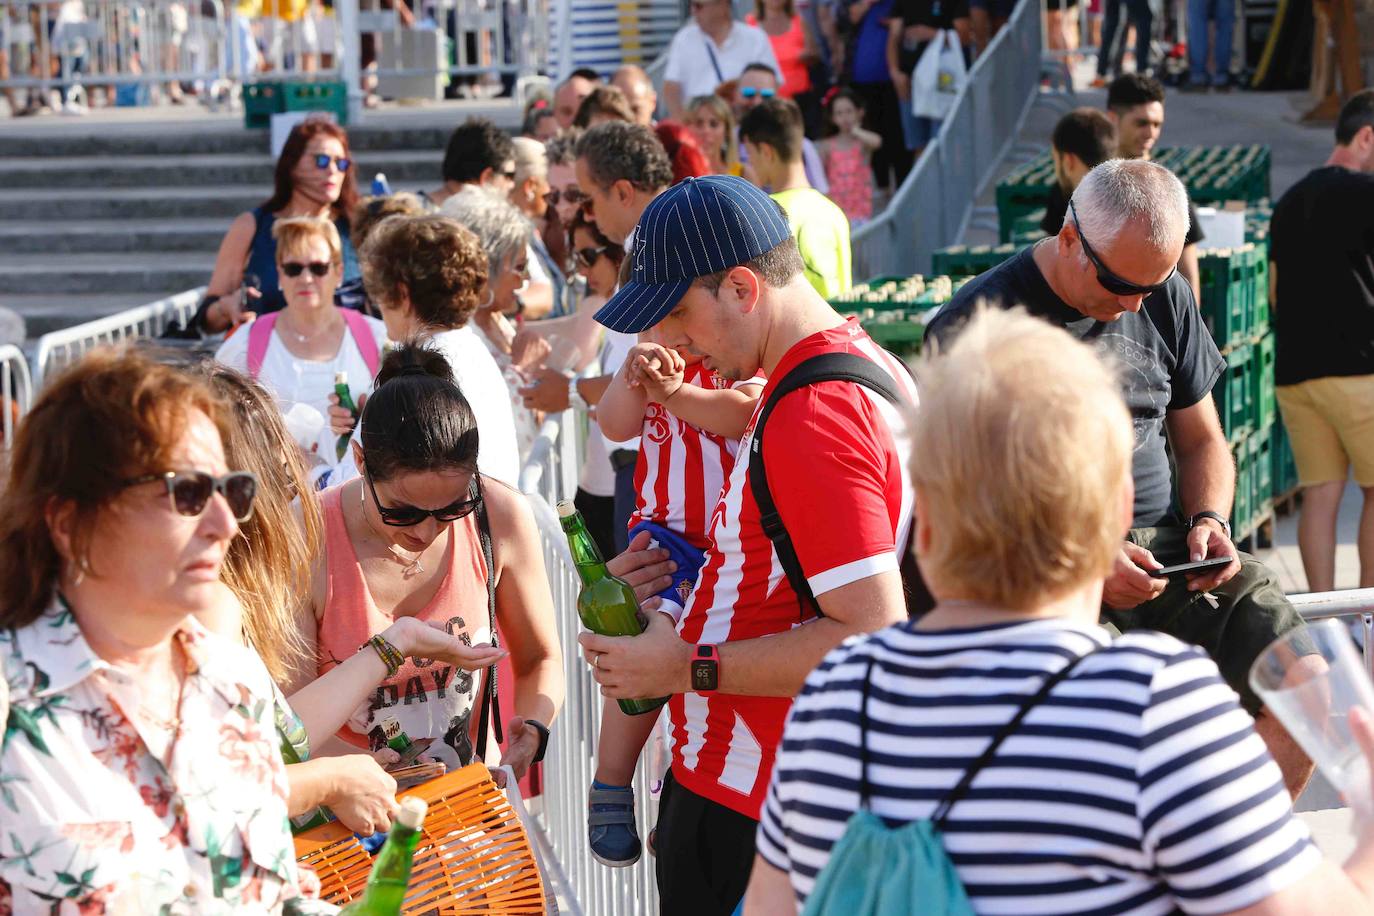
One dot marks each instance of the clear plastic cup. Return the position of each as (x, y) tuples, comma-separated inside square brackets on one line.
[(1310, 679)]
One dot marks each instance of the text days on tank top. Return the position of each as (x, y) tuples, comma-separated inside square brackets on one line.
[(429, 699)]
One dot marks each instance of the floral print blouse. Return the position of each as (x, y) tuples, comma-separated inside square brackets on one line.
[(101, 813)]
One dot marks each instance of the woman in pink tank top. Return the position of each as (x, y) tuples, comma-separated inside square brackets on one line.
[(404, 540)]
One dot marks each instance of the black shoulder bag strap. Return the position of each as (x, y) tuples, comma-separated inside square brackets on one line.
[(960, 791), (827, 367), (715, 64), (491, 705)]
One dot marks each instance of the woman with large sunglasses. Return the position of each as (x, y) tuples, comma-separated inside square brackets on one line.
[(314, 177), (298, 353), (138, 767), (421, 534), (266, 568)]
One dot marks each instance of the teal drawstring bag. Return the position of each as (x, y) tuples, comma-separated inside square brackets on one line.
[(877, 870)]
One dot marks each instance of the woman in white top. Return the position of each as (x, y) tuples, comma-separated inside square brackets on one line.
[(504, 234), (296, 353), (427, 274), (1136, 783)]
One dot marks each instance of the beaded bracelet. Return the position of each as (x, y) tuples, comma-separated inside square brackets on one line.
[(389, 654)]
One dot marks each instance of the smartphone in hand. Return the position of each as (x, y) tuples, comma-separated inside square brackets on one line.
[(1190, 569)]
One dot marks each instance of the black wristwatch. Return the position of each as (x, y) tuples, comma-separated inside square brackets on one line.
[(543, 739), (1214, 516)]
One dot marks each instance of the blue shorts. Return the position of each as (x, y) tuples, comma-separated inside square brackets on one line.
[(689, 560)]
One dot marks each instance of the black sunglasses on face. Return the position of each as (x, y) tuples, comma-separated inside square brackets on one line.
[(408, 516), (587, 257), (293, 269), (574, 196), (190, 491), (341, 163), (1110, 281)]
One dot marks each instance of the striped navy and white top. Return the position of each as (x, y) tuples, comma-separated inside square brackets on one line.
[(1138, 786)]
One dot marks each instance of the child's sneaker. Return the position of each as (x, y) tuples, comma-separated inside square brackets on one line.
[(611, 830)]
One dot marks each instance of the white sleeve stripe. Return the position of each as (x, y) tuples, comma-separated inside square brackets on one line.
[(839, 576)]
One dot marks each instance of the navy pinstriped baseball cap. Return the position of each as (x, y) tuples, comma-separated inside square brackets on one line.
[(698, 227)]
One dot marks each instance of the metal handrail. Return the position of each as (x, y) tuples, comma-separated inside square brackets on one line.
[(142, 321), (1347, 603), (16, 391), (933, 205)]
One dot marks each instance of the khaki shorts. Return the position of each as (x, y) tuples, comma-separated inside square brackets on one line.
[(1331, 424)]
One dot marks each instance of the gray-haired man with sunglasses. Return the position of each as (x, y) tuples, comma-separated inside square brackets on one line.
[(1110, 276)]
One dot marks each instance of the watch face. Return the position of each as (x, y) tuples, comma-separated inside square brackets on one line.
[(704, 675)]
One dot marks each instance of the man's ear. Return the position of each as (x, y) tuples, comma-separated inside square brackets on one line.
[(487, 174), (624, 191), (743, 287)]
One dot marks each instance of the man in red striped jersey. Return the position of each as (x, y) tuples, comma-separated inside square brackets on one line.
[(716, 273)]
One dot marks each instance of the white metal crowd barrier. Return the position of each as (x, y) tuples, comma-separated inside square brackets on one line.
[(132, 45), (593, 889), (551, 469), (934, 203), (16, 390), (1352, 604), (59, 348)]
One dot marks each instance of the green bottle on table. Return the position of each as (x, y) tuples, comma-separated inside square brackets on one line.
[(386, 886), (607, 605), (346, 402)]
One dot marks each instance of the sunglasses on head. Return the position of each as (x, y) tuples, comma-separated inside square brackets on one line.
[(573, 196), (341, 163), (588, 257), (408, 516), (190, 491), (294, 269), (749, 92), (1110, 281)]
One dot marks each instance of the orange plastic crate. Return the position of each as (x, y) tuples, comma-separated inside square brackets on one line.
[(474, 856)]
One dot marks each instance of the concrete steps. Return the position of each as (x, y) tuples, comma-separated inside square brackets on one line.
[(179, 170), (95, 219)]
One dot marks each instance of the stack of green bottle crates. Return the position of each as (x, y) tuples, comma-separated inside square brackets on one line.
[(969, 261), (1235, 308), (1212, 174), (894, 310)]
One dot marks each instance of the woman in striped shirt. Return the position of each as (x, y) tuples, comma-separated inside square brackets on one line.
[(1138, 784)]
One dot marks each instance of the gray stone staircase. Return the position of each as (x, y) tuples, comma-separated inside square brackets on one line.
[(94, 221)]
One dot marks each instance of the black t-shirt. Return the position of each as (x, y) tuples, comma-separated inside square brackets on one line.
[(1168, 359), (1321, 240), (1057, 210), (937, 14)]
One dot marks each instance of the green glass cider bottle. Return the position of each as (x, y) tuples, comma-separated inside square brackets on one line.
[(607, 605), (346, 402), (386, 886)]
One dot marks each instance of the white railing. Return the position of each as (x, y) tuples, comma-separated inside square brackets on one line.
[(1349, 603), (16, 390), (571, 760), (123, 43), (59, 348), (555, 461), (934, 203)]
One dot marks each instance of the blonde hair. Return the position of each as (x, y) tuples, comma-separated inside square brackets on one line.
[(291, 234), (729, 152), (372, 211), (268, 566), (1021, 460)]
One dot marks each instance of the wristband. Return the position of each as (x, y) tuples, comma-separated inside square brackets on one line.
[(543, 739), (389, 654), (1214, 516)]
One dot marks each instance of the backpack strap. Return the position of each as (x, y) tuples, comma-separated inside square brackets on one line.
[(259, 336), (362, 336), (827, 367), (961, 790), (491, 704)]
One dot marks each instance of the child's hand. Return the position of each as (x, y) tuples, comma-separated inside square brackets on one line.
[(658, 370)]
